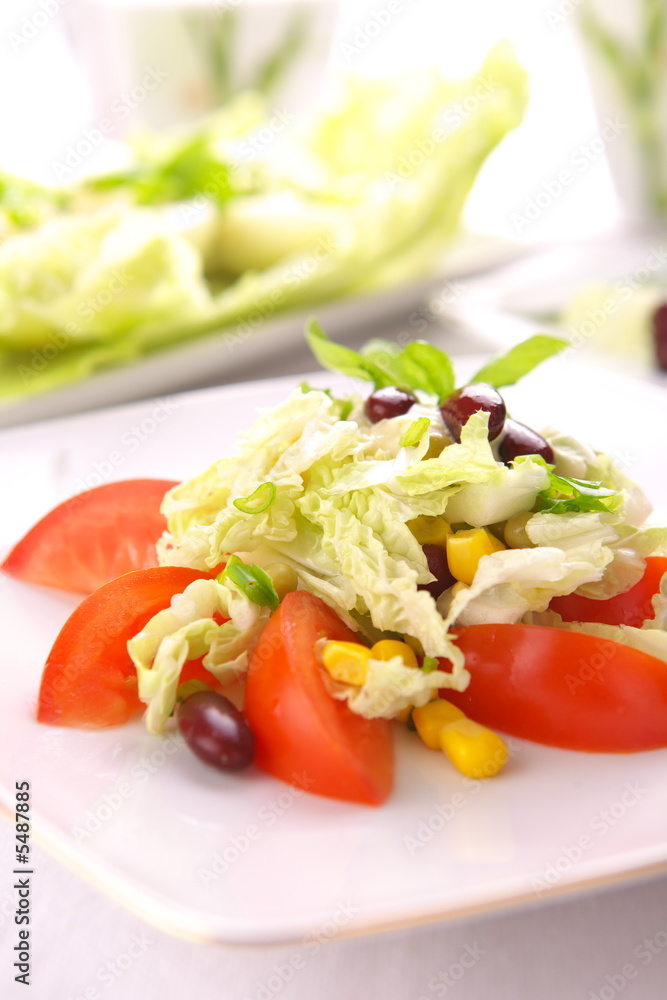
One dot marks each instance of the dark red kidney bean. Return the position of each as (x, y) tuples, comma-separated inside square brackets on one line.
[(386, 403), (216, 731), (436, 557), (460, 406), (521, 440)]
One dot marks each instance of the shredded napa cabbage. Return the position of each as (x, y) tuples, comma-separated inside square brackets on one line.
[(187, 630)]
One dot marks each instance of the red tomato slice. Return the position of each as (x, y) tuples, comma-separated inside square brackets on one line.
[(630, 608), (302, 735), (564, 689), (89, 679), (93, 537)]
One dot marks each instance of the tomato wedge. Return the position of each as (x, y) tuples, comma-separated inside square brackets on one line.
[(89, 679), (564, 689), (93, 537), (302, 735), (631, 608)]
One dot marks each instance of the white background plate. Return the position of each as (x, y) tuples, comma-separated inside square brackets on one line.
[(235, 352), (539, 292), (554, 821), (547, 282)]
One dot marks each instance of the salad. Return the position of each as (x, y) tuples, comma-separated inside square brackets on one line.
[(253, 214), (409, 556)]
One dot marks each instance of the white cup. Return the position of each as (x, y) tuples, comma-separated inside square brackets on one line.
[(613, 37), (170, 61)]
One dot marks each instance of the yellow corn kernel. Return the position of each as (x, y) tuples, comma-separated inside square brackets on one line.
[(430, 719), (404, 714), (387, 649), (283, 578), (515, 534), (474, 750), (430, 530), (346, 662), (466, 548)]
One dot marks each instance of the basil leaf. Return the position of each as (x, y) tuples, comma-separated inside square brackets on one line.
[(587, 487), (385, 356), (181, 174), (338, 358), (430, 664), (574, 505), (258, 501), (577, 496), (435, 367), (418, 366), (423, 366), (415, 433), (510, 367), (252, 581)]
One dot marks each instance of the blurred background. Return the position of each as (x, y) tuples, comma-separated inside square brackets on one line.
[(58, 70), (268, 157)]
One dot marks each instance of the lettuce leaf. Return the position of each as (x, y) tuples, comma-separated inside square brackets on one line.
[(383, 563), (470, 461), (280, 448), (659, 602), (635, 506), (572, 458), (187, 630), (627, 567), (88, 279), (334, 212), (506, 492), (352, 549)]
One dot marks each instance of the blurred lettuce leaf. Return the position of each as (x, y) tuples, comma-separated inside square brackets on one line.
[(205, 229)]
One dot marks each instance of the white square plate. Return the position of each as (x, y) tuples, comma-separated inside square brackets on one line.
[(245, 859)]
